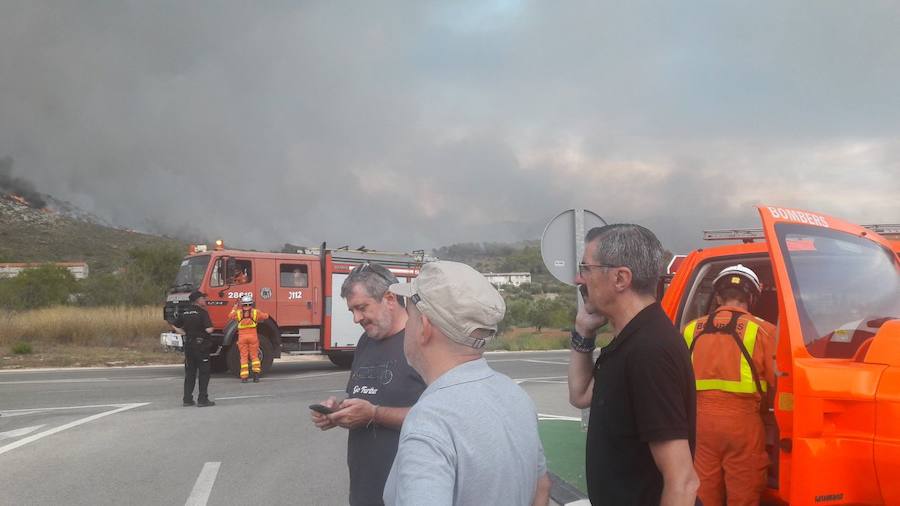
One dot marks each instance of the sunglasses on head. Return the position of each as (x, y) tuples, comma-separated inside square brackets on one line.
[(368, 268)]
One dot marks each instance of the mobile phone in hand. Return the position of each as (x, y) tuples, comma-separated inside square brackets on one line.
[(318, 408)]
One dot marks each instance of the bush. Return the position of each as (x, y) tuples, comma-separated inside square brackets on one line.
[(103, 290), (143, 281), (47, 285), (21, 348)]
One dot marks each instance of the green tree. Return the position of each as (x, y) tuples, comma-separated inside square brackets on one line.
[(539, 313), (149, 272), (102, 290), (144, 279), (517, 312), (42, 286)]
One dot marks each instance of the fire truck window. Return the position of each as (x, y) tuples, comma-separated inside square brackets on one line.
[(700, 298), (294, 276), (239, 272), (217, 278), (845, 287)]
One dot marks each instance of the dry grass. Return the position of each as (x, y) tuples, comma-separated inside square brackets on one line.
[(93, 326), (70, 336), (46, 355)]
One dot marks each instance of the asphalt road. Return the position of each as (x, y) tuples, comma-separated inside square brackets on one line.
[(121, 436)]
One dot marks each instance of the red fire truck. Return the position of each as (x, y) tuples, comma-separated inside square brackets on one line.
[(301, 292)]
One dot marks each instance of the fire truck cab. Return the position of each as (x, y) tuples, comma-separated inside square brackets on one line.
[(833, 291), (300, 292)]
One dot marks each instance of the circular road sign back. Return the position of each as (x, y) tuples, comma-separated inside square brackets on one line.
[(560, 243)]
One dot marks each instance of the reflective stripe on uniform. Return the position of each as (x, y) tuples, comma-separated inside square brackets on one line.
[(251, 322), (745, 385), (689, 333)]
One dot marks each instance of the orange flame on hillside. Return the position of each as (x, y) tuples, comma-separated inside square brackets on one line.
[(18, 199)]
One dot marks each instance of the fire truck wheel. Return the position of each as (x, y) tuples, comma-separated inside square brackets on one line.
[(342, 360)]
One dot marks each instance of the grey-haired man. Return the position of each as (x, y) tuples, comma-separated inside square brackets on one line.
[(382, 385), (472, 438)]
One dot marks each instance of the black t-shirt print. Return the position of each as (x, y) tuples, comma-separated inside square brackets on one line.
[(380, 375)]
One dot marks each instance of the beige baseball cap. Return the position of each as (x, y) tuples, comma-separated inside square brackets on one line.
[(457, 299)]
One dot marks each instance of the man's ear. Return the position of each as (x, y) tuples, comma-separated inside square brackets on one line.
[(623, 278), (391, 299), (427, 333)]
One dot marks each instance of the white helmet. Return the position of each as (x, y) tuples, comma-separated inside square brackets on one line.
[(740, 277), (246, 299)]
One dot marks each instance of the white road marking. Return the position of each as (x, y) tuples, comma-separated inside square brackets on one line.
[(63, 391), (204, 484), (519, 381), (241, 397), (12, 434), (525, 359), (543, 361), (304, 376), (580, 502), (544, 416), (88, 380), (71, 380), (76, 423), (526, 352), (31, 411)]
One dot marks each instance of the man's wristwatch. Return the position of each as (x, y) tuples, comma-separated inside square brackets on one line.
[(583, 344)]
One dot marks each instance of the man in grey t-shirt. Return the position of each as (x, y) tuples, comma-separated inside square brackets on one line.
[(472, 437)]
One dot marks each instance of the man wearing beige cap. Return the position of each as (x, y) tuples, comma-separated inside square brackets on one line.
[(472, 437)]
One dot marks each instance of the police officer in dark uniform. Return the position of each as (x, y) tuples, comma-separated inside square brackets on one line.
[(194, 325)]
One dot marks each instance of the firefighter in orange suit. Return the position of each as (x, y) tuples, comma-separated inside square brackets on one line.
[(735, 370), (247, 317)]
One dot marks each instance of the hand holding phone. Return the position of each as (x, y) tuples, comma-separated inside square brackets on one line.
[(319, 408)]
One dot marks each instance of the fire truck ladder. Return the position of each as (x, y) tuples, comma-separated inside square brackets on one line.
[(748, 235)]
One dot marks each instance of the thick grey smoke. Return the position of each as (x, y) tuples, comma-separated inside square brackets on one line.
[(18, 186), (417, 124)]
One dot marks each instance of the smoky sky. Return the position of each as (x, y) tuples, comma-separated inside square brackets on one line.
[(401, 125)]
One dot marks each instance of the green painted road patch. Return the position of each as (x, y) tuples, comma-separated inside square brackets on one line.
[(564, 442)]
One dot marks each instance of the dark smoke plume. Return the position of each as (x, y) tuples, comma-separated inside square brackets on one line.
[(19, 186)]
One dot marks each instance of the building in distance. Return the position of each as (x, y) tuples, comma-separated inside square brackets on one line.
[(78, 269), (507, 278)]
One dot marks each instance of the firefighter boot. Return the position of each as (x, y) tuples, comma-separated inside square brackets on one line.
[(255, 377)]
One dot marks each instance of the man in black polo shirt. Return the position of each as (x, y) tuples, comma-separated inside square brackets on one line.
[(641, 393)]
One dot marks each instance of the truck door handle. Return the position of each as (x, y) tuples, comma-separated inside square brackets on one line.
[(309, 305)]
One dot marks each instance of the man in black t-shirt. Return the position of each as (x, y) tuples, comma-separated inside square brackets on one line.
[(382, 385), (194, 325), (641, 432)]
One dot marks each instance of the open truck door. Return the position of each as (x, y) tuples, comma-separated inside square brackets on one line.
[(838, 357)]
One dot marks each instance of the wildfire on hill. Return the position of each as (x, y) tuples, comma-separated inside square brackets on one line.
[(23, 201)]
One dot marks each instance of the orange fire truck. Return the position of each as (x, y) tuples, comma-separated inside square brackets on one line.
[(301, 293), (833, 290)]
